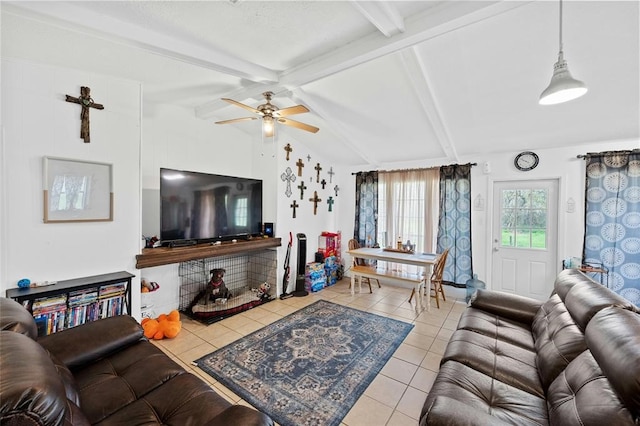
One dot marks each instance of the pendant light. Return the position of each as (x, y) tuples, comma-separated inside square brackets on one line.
[(563, 86)]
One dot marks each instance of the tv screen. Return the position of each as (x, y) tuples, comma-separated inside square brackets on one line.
[(206, 207)]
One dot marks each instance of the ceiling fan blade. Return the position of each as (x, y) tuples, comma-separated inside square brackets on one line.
[(236, 120), (298, 125), (284, 112), (247, 107)]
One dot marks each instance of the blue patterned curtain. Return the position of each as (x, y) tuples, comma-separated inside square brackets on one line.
[(612, 219), (454, 223), (366, 223)]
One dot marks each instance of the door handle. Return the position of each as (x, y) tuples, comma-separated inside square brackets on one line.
[(496, 249)]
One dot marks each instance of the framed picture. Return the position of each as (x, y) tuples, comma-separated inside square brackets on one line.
[(77, 191)]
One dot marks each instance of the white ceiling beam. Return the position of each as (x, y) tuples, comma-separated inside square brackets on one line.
[(420, 82), (383, 15), (341, 131), (79, 19), (434, 22)]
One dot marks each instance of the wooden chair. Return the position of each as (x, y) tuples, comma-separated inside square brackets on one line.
[(436, 279), (359, 262)]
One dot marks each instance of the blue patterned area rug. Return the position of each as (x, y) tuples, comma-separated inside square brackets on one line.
[(311, 366)]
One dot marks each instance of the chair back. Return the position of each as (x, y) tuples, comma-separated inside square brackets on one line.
[(438, 267), (354, 244)]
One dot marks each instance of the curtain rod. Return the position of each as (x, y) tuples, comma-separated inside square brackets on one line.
[(412, 170), (600, 154)]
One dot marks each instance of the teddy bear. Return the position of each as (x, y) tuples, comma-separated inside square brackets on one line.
[(263, 291), (166, 325), (216, 289)]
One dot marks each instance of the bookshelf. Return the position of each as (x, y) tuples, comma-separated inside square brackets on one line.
[(73, 302)]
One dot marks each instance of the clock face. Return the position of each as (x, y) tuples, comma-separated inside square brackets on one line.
[(526, 161)]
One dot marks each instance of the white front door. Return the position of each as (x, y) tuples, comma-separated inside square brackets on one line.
[(525, 237)]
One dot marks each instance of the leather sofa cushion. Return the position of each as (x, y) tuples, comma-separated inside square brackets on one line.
[(613, 336), (32, 391), (478, 392), (140, 382), (558, 340), (505, 362), (582, 396), (495, 326), (565, 281), (13, 317)]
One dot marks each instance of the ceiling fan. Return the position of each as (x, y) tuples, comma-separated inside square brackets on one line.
[(270, 113)]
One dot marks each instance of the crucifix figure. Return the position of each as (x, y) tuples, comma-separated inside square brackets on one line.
[(294, 206), (302, 187), (300, 165), (336, 189), (288, 177), (315, 200), (323, 183), (86, 102), (317, 168), (331, 173), (330, 202), (288, 149)]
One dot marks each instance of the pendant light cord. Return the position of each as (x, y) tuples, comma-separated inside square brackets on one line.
[(561, 26)]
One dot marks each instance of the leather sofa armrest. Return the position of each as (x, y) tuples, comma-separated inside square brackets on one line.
[(88, 342), (447, 411), (507, 305), (242, 416)]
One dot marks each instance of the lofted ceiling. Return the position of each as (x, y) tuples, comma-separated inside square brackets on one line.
[(388, 82)]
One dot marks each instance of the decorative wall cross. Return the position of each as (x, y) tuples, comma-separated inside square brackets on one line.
[(302, 187), (288, 149), (317, 168), (330, 202), (336, 189), (288, 177), (300, 165), (308, 158), (323, 183), (315, 200), (294, 206), (331, 173), (86, 102)]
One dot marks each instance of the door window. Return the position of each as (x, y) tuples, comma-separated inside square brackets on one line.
[(524, 218)]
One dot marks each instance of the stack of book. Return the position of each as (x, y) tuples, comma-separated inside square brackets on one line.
[(83, 306), (50, 313), (112, 300)]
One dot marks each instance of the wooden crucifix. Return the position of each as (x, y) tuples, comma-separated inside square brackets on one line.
[(330, 202), (302, 187), (86, 102), (317, 168), (288, 149), (288, 177), (323, 183), (315, 200), (300, 165), (294, 206)]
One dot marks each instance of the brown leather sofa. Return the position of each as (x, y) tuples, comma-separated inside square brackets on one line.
[(101, 373), (571, 360)]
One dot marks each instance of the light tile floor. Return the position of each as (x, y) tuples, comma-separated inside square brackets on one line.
[(396, 395)]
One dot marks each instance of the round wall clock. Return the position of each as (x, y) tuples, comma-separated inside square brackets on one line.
[(526, 161)]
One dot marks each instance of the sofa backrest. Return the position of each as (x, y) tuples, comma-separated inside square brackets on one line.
[(601, 386), (31, 390), (14, 317)]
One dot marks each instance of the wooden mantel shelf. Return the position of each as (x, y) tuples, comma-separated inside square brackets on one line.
[(166, 255)]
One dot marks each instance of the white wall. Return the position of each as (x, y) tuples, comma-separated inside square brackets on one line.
[(37, 122), (557, 163)]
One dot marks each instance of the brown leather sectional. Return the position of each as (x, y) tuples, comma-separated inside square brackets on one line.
[(572, 360), (101, 373)]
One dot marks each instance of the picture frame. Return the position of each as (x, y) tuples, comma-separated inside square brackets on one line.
[(77, 190)]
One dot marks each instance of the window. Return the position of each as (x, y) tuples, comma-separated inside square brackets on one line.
[(524, 218)]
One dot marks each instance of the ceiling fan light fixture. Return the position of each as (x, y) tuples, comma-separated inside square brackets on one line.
[(268, 126), (563, 87)]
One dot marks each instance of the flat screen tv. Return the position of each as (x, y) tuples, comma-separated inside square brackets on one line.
[(204, 207)]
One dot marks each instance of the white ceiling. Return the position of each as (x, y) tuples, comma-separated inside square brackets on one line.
[(389, 83)]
